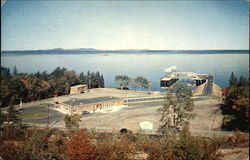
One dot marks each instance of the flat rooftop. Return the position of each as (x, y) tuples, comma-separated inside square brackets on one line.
[(77, 102), (104, 92), (78, 86)]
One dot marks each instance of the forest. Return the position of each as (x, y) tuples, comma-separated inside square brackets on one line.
[(42, 85)]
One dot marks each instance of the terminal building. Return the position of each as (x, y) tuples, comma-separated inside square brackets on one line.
[(78, 106), (189, 78)]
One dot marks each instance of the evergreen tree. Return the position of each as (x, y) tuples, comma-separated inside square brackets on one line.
[(232, 80), (45, 76), (15, 71), (5, 72), (38, 74), (82, 78), (2, 119), (242, 80), (58, 72), (176, 111), (93, 81), (98, 79), (17, 88), (102, 82), (88, 80), (13, 114)]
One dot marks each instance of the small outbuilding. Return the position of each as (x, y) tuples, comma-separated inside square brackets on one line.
[(78, 89)]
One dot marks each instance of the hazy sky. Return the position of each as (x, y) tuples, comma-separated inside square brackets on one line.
[(125, 24)]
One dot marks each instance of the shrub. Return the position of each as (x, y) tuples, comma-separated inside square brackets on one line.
[(115, 147), (195, 148), (80, 147), (9, 149)]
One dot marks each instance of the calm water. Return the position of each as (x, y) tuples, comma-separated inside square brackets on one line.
[(147, 65)]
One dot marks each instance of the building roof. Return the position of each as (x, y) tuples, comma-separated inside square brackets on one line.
[(166, 79), (78, 86), (76, 102)]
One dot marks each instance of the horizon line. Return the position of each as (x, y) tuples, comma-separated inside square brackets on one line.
[(94, 49)]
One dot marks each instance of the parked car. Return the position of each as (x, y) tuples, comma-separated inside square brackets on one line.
[(125, 130), (84, 113)]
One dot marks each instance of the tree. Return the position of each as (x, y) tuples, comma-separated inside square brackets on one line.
[(3, 118), (38, 74), (232, 80), (13, 114), (15, 70), (70, 79), (93, 81), (97, 80), (58, 72), (80, 147), (5, 93), (45, 76), (237, 103), (41, 85), (242, 81), (88, 80), (72, 121), (122, 80), (82, 79), (141, 82), (102, 82), (177, 109), (5, 72)]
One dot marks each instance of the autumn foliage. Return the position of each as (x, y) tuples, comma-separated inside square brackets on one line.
[(51, 144), (80, 147)]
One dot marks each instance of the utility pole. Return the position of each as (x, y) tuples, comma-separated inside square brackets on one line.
[(48, 117)]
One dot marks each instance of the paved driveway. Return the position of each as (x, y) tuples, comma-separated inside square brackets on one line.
[(54, 115)]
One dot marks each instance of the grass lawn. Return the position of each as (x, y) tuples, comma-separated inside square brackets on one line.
[(34, 115), (228, 118)]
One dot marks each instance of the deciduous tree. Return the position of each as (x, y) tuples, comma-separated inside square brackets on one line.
[(72, 121), (122, 80), (80, 147), (141, 82)]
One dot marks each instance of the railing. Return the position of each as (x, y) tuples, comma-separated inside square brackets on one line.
[(143, 99)]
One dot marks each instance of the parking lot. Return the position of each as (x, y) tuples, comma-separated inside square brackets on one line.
[(208, 116)]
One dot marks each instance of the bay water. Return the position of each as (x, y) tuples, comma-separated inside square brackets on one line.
[(148, 65)]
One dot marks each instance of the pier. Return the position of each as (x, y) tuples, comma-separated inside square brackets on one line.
[(191, 78)]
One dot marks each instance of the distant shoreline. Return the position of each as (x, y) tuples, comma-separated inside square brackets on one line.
[(132, 51)]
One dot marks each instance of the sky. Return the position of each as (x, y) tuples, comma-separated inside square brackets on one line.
[(177, 25)]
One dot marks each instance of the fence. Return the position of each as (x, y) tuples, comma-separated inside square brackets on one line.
[(144, 99)]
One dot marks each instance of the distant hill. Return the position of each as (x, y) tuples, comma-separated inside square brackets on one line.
[(134, 51)]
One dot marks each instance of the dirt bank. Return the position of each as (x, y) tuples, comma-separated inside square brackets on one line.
[(216, 90)]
